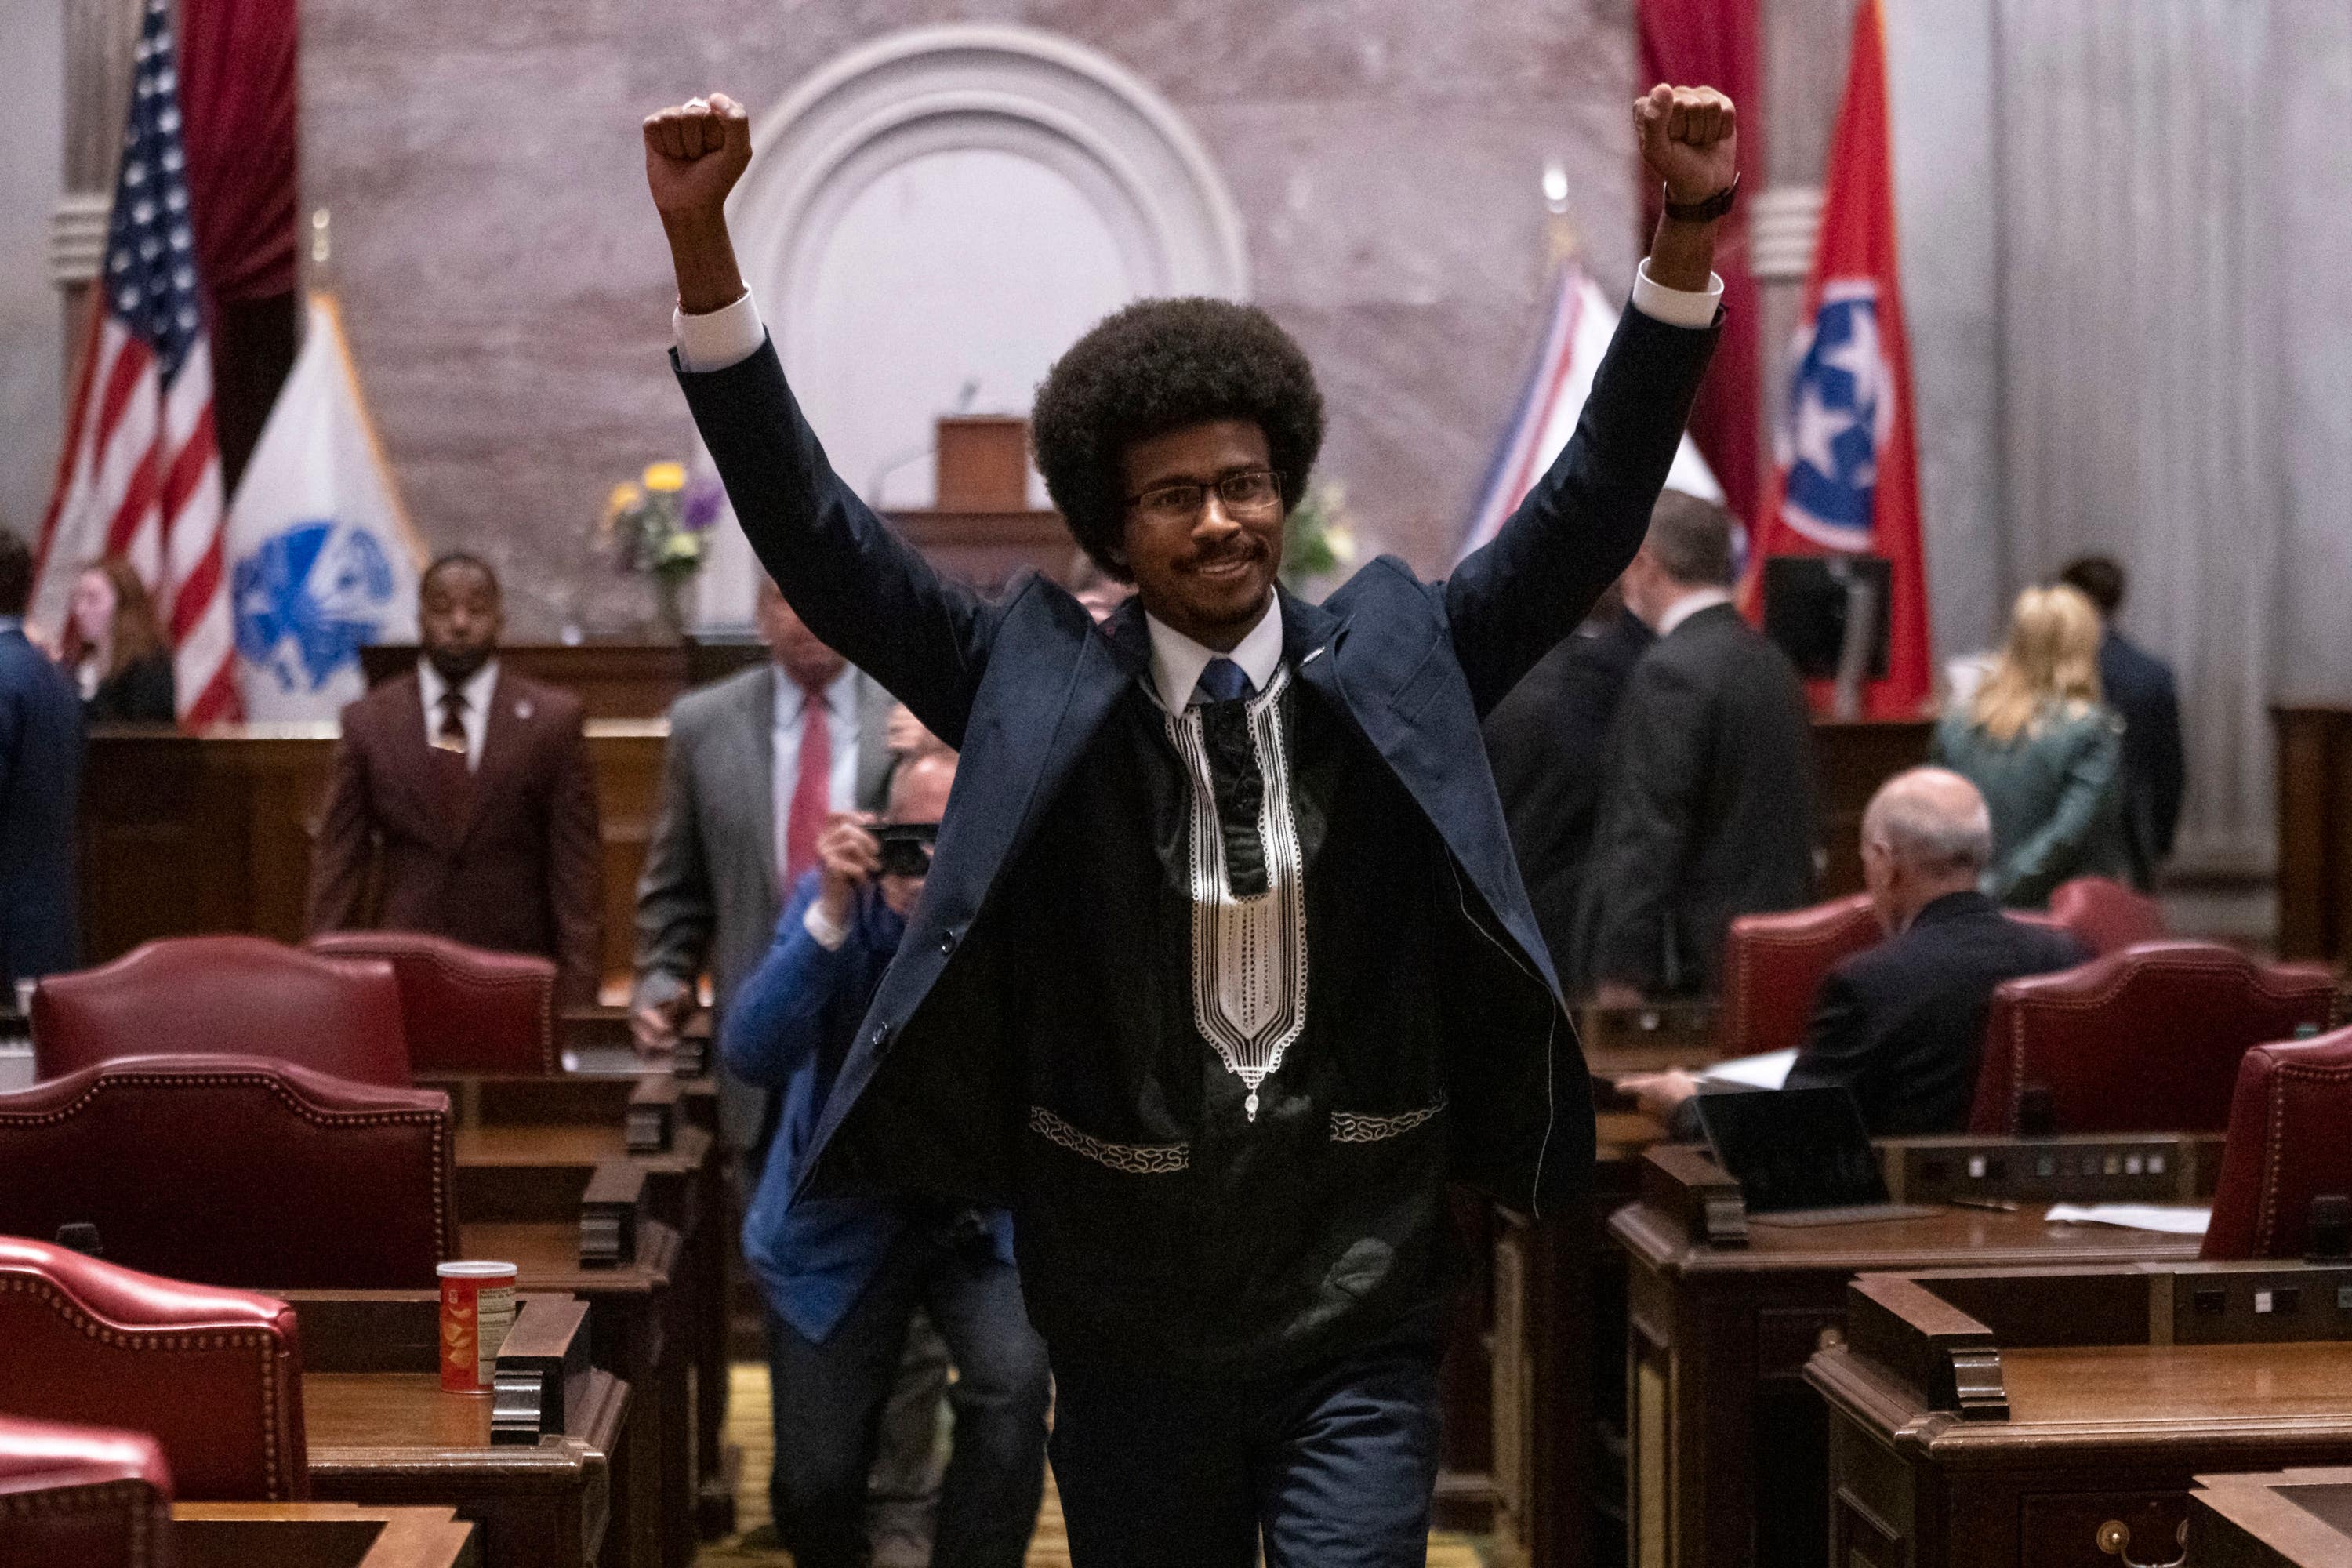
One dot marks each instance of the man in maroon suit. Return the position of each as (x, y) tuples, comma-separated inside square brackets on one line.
[(466, 791)]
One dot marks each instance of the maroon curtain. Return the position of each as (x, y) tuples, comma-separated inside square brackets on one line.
[(1715, 43), (237, 101)]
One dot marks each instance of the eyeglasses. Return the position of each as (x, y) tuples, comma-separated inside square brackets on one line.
[(1251, 493)]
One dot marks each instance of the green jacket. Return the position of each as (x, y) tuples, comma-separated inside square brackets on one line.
[(2056, 794)]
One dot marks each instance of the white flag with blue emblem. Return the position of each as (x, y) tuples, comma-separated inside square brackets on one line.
[(322, 559)]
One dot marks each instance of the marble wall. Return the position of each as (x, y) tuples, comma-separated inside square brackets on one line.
[(506, 293), (31, 127)]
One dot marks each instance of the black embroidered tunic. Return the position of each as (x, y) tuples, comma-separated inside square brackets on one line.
[(1163, 1219)]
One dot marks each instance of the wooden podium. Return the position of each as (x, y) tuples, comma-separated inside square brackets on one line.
[(981, 527)]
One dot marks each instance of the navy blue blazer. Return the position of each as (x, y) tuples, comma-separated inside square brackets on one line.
[(40, 792), (789, 1029), (2139, 685), (1021, 684)]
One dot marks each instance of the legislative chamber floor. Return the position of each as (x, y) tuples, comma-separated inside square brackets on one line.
[(755, 1542)]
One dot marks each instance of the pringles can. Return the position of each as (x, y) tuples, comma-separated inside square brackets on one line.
[(478, 1308)]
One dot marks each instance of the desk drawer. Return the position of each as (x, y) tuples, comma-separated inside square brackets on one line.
[(2066, 1529)]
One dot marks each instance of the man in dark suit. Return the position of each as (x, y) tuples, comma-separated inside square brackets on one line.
[(1228, 1183), (1708, 801), (40, 788), (1902, 1025), (462, 802), (1545, 742), (2139, 685)]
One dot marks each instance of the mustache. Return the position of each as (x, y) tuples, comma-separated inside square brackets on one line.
[(1207, 559)]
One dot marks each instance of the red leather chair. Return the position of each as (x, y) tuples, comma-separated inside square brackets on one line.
[(225, 995), (2105, 917), (215, 1375), (467, 1009), (234, 1170), (82, 1496), (2145, 1040), (1773, 964), (2290, 1141)]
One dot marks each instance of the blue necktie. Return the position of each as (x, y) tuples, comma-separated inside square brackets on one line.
[(1222, 680), (1234, 775)]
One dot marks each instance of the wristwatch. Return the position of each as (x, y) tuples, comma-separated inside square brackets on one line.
[(1706, 211)]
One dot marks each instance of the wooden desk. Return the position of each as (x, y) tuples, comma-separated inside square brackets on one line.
[(1557, 1363), (682, 1193), (2300, 1519), (535, 1217), (2058, 1417), (667, 1124), (530, 1467), (1559, 1370), (1725, 1442), (320, 1535)]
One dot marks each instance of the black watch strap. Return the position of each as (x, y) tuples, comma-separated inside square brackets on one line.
[(1706, 211)]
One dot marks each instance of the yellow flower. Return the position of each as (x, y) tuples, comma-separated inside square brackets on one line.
[(625, 496), (665, 477)]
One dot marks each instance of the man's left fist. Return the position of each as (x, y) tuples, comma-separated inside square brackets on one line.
[(1689, 138)]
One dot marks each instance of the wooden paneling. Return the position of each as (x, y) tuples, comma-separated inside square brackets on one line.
[(2315, 828), (188, 834), (613, 681), (1853, 759)]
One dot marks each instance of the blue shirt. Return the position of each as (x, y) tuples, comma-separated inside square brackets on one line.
[(789, 1029)]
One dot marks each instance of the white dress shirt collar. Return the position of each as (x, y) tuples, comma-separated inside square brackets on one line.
[(1177, 660), (1689, 604), (840, 699), (479, 689)]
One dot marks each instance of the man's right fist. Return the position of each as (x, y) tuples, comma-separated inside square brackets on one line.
[(694, 155)]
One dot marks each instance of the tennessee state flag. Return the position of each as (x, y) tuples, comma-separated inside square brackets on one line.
[(1846, 476)]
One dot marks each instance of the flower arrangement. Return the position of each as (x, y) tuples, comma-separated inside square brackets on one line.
[(657, 526)]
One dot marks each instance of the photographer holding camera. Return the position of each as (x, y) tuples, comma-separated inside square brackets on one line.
[(844, 1276)]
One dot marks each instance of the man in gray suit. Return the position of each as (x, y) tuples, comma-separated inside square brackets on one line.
[(803, 729), (756, 763)]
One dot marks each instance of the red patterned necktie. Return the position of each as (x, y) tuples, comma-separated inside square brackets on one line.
[(812, 788)]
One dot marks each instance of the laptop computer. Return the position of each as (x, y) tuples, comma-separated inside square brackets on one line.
[(1801, 1156)]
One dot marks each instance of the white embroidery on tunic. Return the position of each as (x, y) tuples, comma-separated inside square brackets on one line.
[(1249, 955), (1353, 1127), (1129, 1159)]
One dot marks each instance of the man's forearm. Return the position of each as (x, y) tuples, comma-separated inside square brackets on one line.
[(1682, 254), (702, 254)]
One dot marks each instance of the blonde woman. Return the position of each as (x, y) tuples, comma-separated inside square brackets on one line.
[(2046, 752)]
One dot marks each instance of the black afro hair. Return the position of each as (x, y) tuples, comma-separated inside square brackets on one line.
[(1155, 367)]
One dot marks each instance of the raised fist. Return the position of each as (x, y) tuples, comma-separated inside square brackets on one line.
[(694, 155), (1689, 139)]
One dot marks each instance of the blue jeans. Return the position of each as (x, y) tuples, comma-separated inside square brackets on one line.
[(1332, 1466), (828, 1399)]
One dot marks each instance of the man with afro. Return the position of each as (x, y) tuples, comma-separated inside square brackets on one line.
[(1223, 966)]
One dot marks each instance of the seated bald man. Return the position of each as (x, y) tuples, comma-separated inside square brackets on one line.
[(1902, 1025)]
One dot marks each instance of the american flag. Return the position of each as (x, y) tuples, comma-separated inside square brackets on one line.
[(140, 474)]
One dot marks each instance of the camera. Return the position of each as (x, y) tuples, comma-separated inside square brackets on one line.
[(907, 847)]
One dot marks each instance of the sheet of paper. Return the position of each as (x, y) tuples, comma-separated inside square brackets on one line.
[(2174, 1219), (1769, 1071)]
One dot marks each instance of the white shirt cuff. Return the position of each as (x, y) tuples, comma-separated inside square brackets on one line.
[(821, 930), (733, 333), (1675, 307)]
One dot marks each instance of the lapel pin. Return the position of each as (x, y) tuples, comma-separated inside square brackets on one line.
[(522, 709)]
